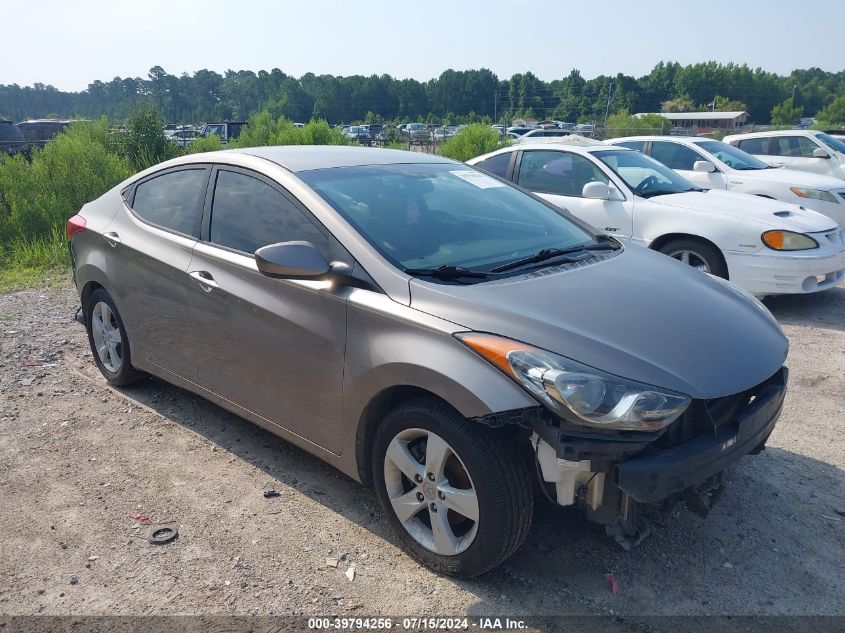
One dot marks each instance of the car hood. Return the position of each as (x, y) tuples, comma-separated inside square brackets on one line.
[(638, 314), (792, 177), (776, 214)]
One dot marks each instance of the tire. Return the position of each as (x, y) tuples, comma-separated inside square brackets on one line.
[(477, 461), (699, 254), (108, 341)]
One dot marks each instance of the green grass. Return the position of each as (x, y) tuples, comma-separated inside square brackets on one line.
[(27, 263)]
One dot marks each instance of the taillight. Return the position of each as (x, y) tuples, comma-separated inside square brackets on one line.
[(75, 225)]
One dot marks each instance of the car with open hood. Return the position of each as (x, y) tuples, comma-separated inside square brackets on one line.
[(712, 164), (765, 246), (432, 331)]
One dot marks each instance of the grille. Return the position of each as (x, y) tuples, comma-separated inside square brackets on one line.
[(704, 417)]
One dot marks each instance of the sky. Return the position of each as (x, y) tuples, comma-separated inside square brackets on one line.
[(71, 44)]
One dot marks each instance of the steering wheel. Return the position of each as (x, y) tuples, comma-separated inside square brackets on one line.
[(647, 183)]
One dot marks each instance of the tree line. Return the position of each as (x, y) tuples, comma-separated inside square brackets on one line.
[(455, 96)]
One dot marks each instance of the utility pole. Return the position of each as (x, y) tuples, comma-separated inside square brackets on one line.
[(607, 109), (495, 104)]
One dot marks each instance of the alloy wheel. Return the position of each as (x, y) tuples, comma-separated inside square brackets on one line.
[(107, 340), (431, 492), (691, 258)]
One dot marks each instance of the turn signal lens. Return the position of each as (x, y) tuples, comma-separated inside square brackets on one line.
[(494, 348), (788, 241)]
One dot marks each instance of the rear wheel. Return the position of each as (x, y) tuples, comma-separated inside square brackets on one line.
[(108, 340), (457, 494), (698, 254)]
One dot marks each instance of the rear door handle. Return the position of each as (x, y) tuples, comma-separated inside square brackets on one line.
[(112, 238), (204, 279)]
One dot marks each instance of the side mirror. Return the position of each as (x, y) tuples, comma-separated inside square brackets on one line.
[(596, 190), (704, 166), (291, 260), (820, 153)]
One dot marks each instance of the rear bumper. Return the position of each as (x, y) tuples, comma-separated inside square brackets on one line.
[(772, 275), (663, 473)]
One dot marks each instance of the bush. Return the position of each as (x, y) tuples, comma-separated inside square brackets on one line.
[(203, 144), (69, 171), (472, 141), (834, 113), (263, 129), (37, 197), (143, 143), (624, 123), (786, 113)]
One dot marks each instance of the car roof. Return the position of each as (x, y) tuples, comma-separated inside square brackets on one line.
[(684, 140), (305, 157), (775, 133), (573, 141)]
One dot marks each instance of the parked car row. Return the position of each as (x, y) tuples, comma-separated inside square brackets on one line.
[(714, 164), (25, 135), (765, 246), (448, 337)]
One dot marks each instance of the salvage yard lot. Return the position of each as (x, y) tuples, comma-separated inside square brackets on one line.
[(82, 466)]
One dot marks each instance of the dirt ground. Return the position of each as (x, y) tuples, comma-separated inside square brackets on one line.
[(82, 466)]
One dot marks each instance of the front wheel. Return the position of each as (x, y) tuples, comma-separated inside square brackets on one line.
[(457, 494), (698, 254)]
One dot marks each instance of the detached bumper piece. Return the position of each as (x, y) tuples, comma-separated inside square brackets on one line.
[(666, 472)]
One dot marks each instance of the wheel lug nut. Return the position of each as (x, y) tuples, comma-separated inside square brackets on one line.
[(441, 495), (431, 476), (420, 496), (433, 507), (418, 478)]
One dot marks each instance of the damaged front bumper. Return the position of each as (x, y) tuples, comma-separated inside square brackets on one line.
[(622, 478)]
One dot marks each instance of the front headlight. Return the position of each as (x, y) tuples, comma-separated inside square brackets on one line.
[(815, 194), (577, 392), (788, 241)]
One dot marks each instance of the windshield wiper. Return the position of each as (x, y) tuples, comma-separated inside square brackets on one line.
[(664, 192), (549, 253), (447, 272)]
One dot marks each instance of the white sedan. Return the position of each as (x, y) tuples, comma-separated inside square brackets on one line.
[(715, 165), (764, 246)]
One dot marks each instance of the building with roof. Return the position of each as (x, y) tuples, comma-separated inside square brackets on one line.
[(704, 120)]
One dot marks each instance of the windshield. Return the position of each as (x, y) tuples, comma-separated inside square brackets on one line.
[(644, 175), (732, 156), (833, 143), (443, 214)]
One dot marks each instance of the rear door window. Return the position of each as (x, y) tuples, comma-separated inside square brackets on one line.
[(637, 145), (674, 155), (757, 146), (497, 165), (173, 200), (561, 173)]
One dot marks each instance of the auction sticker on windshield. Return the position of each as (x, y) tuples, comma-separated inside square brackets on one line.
[(482, 181)]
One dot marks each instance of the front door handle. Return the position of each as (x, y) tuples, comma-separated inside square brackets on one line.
[(204, 279), (112, 238)]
